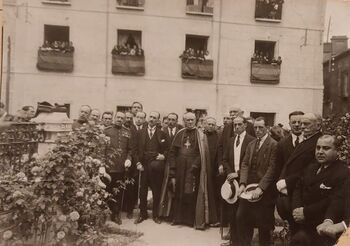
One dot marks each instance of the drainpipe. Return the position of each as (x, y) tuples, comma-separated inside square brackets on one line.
[(217, 92)]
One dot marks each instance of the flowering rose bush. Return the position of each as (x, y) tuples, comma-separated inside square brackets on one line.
[(57, 199)]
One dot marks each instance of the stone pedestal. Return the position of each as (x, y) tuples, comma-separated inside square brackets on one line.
[(53, 125)]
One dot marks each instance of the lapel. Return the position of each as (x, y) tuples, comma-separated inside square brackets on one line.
[(263, 149), (303, 147), (143, 135), (244, 146), (323, 175)]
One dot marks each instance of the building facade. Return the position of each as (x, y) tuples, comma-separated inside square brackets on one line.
[(231, 31)]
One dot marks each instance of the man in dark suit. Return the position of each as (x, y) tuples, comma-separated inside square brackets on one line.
[(173, 127), (257, 168), (151, 151), (84, 114), (233, 156), (284, 149), (321, 181), (228, 131), (300, 158), (167, 193)]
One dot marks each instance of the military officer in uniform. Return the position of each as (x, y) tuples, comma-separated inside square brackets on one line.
[(118, 160)]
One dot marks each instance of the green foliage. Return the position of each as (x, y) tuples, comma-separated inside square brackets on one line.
[(340, 127), (59, 198)]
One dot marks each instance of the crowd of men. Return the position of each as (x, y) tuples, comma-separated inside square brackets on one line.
[(185, 167)]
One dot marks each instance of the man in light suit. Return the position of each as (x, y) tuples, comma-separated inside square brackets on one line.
[(257, 168), (233, 156)]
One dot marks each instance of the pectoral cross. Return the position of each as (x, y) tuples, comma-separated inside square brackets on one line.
[(187, 144)]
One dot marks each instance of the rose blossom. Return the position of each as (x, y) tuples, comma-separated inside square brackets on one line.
[(62, 218), (7, 235), (60, 235), (74, 216)]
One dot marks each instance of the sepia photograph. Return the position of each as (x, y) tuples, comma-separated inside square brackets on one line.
[(175, 123)]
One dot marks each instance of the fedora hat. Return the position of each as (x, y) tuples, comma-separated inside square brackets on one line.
[(229, 191), (247, 194)]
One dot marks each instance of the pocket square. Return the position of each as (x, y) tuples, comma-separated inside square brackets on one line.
[(323, 187)]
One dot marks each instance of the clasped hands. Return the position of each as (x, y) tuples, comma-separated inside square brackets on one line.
[(256, 194), (139, 166), (282, 186), (327, 228), (298, 215)]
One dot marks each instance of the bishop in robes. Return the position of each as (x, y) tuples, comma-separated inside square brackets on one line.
[(190, 175)]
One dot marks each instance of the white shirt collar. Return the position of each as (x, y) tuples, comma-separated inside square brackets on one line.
[(151, 128), (242, 135), (262, 140)]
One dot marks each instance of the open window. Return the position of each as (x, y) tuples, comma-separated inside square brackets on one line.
[(130, 4), (123, 109), (344, 85), (200, 114), (269, 117), (127, 55), (268, 10), (203, 7), (58, 2), (56, 52), (196, 60), (265, 67)]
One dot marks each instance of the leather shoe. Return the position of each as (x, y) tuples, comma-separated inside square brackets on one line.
[(140, 219), (157, 220)]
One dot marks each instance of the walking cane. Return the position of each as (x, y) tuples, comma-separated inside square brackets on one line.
[(138, 192), (124, 188), (221, 220)]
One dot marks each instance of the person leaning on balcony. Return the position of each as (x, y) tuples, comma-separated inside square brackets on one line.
[(84, 114), (321, 181)]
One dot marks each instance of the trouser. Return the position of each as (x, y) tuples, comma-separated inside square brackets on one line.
[(308, 236), (284, 209), (115, 204), (254, 214), (233, 224), (152, 177), (130, 196)]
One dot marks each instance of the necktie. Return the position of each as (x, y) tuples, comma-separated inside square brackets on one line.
[(296, 142), (238, 141), (257, 145), (171, 132), (320, 169), (150, 133)]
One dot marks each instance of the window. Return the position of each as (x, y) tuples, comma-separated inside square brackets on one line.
[(200, 113), (268, 10), (265, 50), (344, 85), (60, 2), (131, 4), (123, 109), (129, 38), (196, 42), (269, 117), (56, 33), (205, 7)]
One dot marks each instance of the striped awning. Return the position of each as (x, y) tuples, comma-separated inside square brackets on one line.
[(128, 65), (55, 61)]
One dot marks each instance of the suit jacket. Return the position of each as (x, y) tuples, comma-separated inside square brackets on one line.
[(229, 153), (284, 150), (315, 191), (301, 157), (265, 163), (227, 134), (141, 136), (166, 131)]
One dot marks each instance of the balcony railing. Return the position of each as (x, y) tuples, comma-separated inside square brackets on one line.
[(55, 61), (197, 69), (131, 4), (265, 73), (128, 65), (268, 10), (59, 2)]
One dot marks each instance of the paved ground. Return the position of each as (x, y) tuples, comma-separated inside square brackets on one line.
[(166, 235)]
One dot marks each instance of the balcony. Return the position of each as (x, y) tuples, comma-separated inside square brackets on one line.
[(197, 69), (200, 8), (268, 11), (128, 65), (131, 4), (57, 2), (55, 61), (265, 73)]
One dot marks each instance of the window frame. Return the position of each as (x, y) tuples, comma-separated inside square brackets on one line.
[(126, 7), (202, 13), (263, 19), (266, 115), (57, 2)]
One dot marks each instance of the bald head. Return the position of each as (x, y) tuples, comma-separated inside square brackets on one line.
[(236, 111), (326, 151), (210, 124)]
